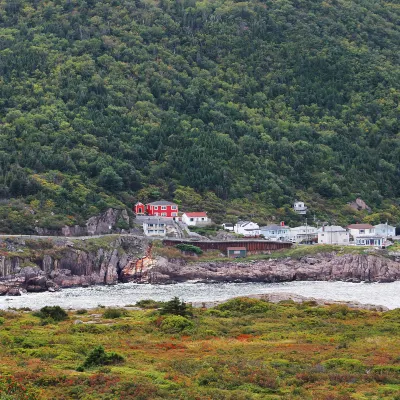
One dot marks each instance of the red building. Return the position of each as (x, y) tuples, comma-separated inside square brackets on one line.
[(160, 208)]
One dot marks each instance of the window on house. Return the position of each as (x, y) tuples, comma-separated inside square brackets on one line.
[(163, 214), (362, 231), (174, 214), (173, 207), (156, 207), (163, 207), (191, 219)]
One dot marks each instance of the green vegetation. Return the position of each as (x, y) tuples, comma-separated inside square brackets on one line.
[(176, 307), (243, 349), (222, 105), (52, 314), (114, 313), (189, 248)]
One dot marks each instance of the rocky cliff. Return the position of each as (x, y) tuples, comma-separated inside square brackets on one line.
[(323, 267), (110, 221), (39, 265)]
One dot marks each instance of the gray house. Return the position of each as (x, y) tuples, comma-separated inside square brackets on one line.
[(276, 232)]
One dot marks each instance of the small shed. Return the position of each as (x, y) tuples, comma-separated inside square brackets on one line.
[(236, 252)]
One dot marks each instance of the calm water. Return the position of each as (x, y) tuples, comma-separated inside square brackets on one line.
[(385, 294)]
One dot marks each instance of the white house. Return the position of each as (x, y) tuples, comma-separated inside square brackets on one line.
[(247, 228), (360, 230), (385, 230), (370, 240), (276, 232), (157, 226), (303, 233), (333, 235), (299, 207), (228, 226), (195, 218)]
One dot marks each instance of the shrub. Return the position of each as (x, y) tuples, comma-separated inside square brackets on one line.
[(114, 313), (175, 324), (81, 311), (347, 364), (244, 304), (98, 356), (176, 307), (2, 321), (148, 304), (53, 313), (189, 248)]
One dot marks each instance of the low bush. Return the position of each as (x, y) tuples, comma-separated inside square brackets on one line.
[(176, 307), (113, 313), (98, 356), (53, 313), (189, 248), (175, 324), (149, 304), (245, 305), (81, 311)]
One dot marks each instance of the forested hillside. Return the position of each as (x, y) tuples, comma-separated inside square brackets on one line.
[(219, 103)]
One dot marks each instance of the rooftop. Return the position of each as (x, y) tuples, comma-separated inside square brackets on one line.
[(196, 214), (360, 226), (161, 203)]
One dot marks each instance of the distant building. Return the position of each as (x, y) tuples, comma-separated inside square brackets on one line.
[(139, 208), (276, 232), (385, 230), (333, 235), (159, 208), (303, 234), (247, 228), (300, 208), (360, 229), (228, 226), (370, 240), (195, 218), (236, 252), (155, 226)]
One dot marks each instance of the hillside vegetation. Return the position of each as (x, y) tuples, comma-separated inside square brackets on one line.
[(245, 349), (216, 104)]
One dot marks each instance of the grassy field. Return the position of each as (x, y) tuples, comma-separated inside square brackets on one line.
[(243, 349)]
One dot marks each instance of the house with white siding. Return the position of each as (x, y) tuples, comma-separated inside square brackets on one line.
[(356, 230), (303, 234), (385, 230), (247, 228), (195, 218), (275, 232), (333, 235)]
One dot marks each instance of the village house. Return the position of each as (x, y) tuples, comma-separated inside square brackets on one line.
[(360, 230), (303, 234), (385, 230), (159, 208), (247, 228), (299, 207), (276, 232), (153, 226), (333, 235), (195, 218), (228, 226), (370, 240)]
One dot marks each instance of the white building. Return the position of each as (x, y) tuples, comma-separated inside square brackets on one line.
[(360, 230), (275, 232), (385, 230), (247, 228), (370, 240), (303, 234), (195, 218), (333, 235), (299, 207), (157, 226), (228, 226)]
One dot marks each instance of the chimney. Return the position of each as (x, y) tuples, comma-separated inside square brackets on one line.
[(282, 223)]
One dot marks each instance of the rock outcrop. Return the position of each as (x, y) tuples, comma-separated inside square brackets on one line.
[(65, 263), (108, 222), (323, 267)]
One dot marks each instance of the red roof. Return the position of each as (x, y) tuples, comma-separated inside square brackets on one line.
[(360, 226), (196, 214)]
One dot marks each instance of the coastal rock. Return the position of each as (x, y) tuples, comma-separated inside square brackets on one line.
[(324, 267), (98, 262)]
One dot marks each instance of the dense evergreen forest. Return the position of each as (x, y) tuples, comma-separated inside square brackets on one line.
[(241, 106)]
